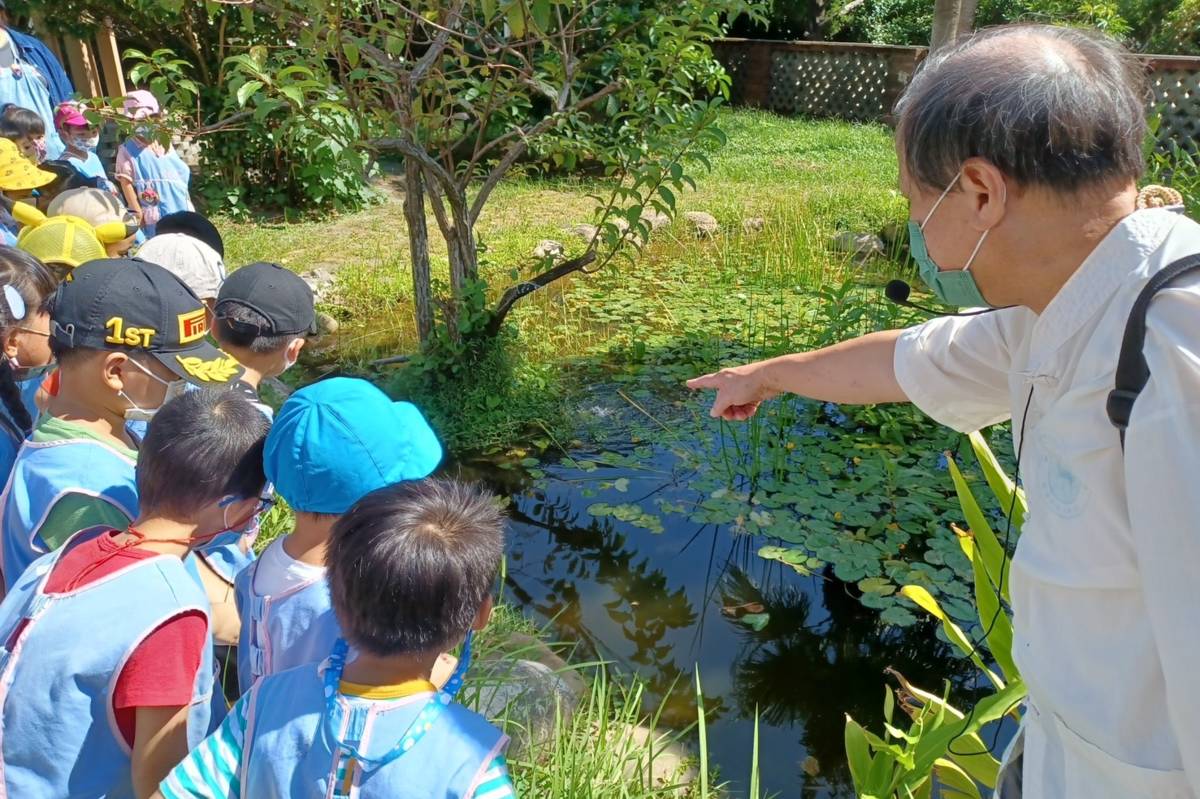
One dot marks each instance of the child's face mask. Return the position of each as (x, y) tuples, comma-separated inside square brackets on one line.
[(140, 414), (33, 148), (86, 142)]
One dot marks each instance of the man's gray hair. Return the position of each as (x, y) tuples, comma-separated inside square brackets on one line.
[(1052, 106)]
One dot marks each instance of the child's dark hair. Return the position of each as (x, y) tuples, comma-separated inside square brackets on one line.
[(201, 446), (411, 564), (17, 123), (34, 282), (238, 325)]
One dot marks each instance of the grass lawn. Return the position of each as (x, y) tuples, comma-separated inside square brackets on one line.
[(806, 179)]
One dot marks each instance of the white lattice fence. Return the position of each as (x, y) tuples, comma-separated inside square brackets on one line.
[(847, 85), (1177, 100)]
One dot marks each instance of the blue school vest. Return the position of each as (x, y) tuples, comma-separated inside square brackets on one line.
[(288, 752), (23, 84), (92, 169), (42, 474), (59, 663), (282, 631), (167, 175)]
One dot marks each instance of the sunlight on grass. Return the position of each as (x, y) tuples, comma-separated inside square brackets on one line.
[(805, 179)]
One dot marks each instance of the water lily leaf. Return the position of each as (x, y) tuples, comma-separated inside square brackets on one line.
[(621, 484), (876, 585), (756, 621), (898, 617)]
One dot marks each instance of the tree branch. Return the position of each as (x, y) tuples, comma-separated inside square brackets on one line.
[(438, 46), (520, 147), (514, 293)]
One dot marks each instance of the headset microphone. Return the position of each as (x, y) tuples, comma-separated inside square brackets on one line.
[(897, 291)]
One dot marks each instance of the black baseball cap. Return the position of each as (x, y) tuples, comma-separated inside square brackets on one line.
[(279, 295), (192, 224), (129, 305)]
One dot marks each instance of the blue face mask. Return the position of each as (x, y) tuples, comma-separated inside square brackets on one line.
[(954, 287)]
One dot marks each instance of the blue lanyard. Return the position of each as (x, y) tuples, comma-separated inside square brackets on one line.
[(415, 732)]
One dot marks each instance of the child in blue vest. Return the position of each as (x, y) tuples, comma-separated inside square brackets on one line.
[(26, 287), (107, 657), (153, 178), (411, 569), (127, 335), (332, 443), (80, 139)]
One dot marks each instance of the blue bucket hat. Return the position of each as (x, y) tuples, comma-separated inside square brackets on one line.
[(336, 441)]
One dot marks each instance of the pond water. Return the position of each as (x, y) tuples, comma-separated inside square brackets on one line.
[(662, 594)]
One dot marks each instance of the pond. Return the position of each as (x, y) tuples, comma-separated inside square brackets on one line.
[(623, 549)]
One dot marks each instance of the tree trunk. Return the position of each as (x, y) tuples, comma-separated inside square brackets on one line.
[(946, 16), (418, 245), (966, 17)]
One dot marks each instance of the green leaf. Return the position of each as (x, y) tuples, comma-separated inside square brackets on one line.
[(925, 600), (246, 90), (998, 480), (516, 19), (953, 780), (668, 196), (756, 621), (858, 754), (621, 484), (994, 556), (877, 585)]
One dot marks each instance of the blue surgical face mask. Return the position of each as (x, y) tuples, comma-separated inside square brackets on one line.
[(954, 287)]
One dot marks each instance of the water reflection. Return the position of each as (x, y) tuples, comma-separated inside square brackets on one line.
[(654, 602)]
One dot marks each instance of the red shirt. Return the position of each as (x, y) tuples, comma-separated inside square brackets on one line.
[(161, 672)]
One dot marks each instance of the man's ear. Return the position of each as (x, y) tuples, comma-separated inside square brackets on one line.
[(293, 349), (112, 368), (988, 189), (484, 615), (10, 342)]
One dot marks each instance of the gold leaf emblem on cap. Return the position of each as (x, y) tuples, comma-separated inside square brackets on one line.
[(218, 370)]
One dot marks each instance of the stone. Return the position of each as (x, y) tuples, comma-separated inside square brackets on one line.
[(527, 697), (655, 220), (663, 761), (753, 224), (620, 224), (860, 245), (703, 224), (584, 231), (320, 279), (326, 324), (549, 248)]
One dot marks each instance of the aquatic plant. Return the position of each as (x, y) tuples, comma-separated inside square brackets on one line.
[(942, 745)]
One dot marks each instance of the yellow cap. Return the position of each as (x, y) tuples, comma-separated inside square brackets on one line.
[(17, 173), (66, 240)]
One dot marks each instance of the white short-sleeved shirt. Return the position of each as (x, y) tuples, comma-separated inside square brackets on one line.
[(1106, 574)]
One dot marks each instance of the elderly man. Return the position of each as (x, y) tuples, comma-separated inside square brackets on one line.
[(1019, 152)]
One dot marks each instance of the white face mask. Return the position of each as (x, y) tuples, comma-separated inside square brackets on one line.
[(86, 143), (139, 414)]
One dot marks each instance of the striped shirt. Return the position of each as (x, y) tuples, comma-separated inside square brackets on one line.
[(213, 769)]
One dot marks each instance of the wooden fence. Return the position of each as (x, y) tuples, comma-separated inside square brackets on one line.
[(861, 82)]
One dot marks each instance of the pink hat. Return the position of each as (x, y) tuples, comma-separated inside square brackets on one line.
[(140, 104), (69, 113)]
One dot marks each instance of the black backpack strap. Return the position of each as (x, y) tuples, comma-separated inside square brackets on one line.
[(1132, 371)]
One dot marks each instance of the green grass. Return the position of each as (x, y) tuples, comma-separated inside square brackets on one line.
[(806, 179)]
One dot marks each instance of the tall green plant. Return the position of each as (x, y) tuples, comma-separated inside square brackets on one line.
[(941, 744)]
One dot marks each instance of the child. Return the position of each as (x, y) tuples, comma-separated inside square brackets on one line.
[(126, 334), (411, 569), (63, 242), (81, 138), (153, 178), (332, 443), (263, 315), (26, 129), (99, 209), (191, 260), (25, 290), (18, 180), (108, 666)]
